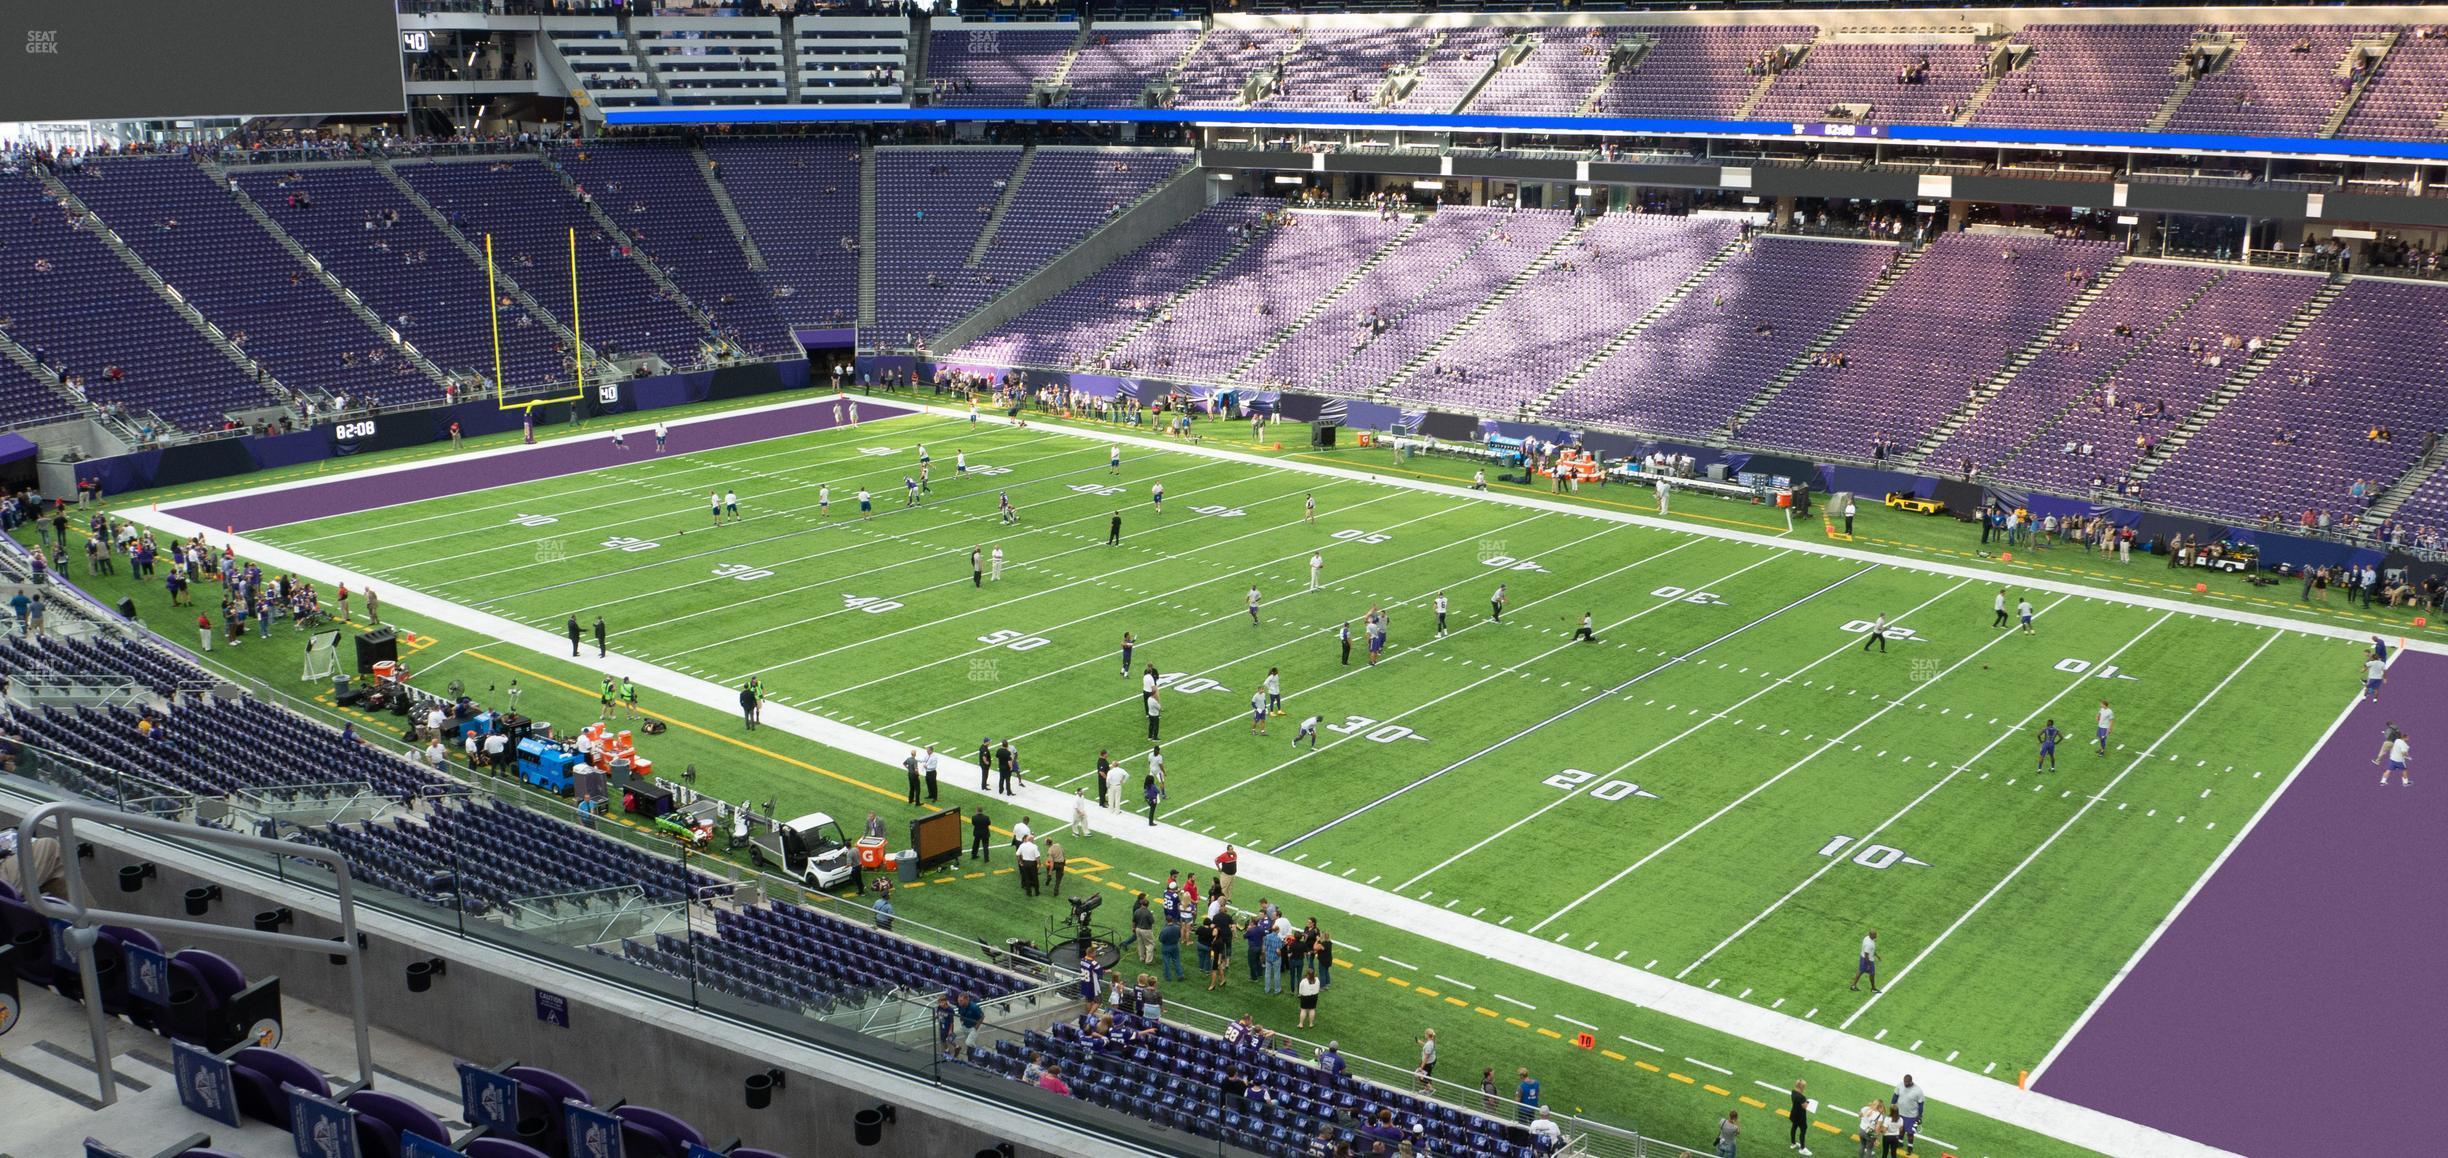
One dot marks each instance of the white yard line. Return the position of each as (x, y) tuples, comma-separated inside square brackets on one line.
[(869, 543), (1661, 746), (1422, 648), (2233, 843), (2070, 821), (888, 410), (687, 506), (1872, 836), (1599, 698), (1917, 692), (1077, 620), (392, 529), (1425, 647), (1201, 625), (1494, 674), (1968, 1090), (2017, 579)]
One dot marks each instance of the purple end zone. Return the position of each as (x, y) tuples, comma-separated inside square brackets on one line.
[(584, 452), (2302, 984)]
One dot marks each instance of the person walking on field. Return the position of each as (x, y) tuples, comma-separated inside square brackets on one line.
[(1496, 604), (1877, 634), (2000, 604), (1868, 967)]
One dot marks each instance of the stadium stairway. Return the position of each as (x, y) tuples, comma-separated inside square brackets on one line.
[(501, 278), (1688, 286), (2041, 432), (2379, 45), (867, 230), (365, 313), (2228, 390), (637, 52), (1381, 391), (69, 401), (1166, 307), (2385, 506), (2015, 364), (2158, 121), (654, 272), (1827, 340), (1003, 203), (722, 200), (220, 341), (1320, 306)]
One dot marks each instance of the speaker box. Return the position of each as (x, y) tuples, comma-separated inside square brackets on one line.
[(127, 608), (375, 646), (1322, 436)]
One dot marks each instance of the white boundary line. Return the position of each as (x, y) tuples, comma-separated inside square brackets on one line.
[(2233, 843), (1823, 1044), (890, 410), (2089, 803), (1910, 694), (2010, 732), (1660, 746)]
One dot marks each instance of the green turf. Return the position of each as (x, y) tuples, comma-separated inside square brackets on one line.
[(1724, 686)]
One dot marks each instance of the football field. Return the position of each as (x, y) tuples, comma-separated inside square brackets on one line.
[(1722, 787)]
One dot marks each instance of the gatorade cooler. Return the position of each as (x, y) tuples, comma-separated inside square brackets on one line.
[(870, 853), (641, 767), (1785, 499), (385, 670)]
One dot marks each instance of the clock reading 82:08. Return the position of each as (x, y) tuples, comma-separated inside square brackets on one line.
[(348, 430)]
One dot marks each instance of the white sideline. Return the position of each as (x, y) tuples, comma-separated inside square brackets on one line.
[(1825, 1045), (2186, 901)]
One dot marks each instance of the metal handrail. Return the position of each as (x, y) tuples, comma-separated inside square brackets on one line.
[(84, 920)]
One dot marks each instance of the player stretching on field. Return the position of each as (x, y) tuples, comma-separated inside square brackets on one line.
[(2049, 735), (1496, 604), (2107, 720), (1308, 729)]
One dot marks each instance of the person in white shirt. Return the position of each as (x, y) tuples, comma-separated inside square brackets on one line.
[(1258, 713), (1317, 567), (1021, 831), (994, 572), (1878, 634), (1116, 780), (662, 435), (2375, 673), (1873, 1121), (2023, 608), (1478, 480), (1079, 814), (1661, 494), (2107, 720), (931, 768), (1028, 855), (1868, 967), (1440, 614), (824, 499), (1274, 691), (1545, 1130), (1309, 509), (2398, 761), (2000, 605), (714, 504), (1308, 731), (731, 505), (960, 462), (1253, 605)]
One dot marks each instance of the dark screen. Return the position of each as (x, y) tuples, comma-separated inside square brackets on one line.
[(89, 60)]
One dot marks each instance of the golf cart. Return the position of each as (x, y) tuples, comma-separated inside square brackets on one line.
[(811, 849)]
